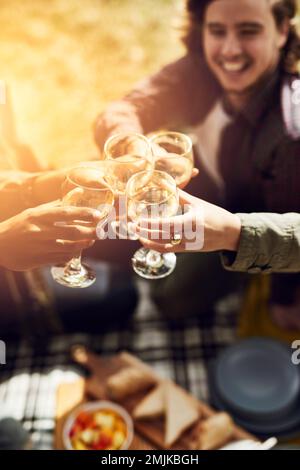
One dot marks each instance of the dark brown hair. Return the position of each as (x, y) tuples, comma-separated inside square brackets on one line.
[(282, 10)]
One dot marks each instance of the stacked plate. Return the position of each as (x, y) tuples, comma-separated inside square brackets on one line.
[(256, 382)]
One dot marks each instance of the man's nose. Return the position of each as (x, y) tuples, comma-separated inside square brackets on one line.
[(231, 46)]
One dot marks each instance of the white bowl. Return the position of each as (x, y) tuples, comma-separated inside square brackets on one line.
[(98, 406)]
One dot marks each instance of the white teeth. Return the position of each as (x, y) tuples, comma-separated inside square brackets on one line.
[(233, 67)]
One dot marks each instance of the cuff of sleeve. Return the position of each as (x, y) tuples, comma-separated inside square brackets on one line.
[(265, 244), (243, 258)]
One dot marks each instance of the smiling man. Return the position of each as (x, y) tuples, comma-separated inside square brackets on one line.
[(242, 45), (235, 89)]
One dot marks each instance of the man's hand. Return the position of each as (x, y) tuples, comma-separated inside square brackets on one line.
[(45, 235), (48, 185)]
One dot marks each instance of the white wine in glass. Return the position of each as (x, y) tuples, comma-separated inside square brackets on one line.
[(152, 195), (83, 187), (173, 153), (125, 155)]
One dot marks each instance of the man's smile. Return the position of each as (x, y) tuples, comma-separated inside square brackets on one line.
[(234, 67)]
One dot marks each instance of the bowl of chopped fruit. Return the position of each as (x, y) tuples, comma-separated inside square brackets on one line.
[(100, 425)]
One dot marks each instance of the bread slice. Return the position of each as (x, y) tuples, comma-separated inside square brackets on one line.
[(152, 405), (128, 381), (180, 412), (178, 407), (215, 431)]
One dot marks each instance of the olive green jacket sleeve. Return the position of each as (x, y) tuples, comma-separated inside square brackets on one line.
[(269, 243)]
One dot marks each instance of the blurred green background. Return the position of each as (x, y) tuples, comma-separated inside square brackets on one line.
[(65, 59)]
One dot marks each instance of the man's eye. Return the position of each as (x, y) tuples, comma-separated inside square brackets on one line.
[(217, 32), (249, 32)]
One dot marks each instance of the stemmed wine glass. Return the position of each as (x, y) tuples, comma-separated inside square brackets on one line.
[(173, 153), (152, 195), (83, 187), (125, 154)]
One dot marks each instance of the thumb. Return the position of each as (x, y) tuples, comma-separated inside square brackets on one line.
[(195, 172), (50, 204), (185, 197)]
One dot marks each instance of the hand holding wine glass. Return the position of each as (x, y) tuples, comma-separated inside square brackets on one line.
[(152, 195), (84, 187), (203, 227), (31, 239)]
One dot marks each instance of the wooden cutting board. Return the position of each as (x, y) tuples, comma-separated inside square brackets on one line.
[(148, 435)]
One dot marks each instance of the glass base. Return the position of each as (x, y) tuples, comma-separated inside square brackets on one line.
[(84, 278), (153, 265)]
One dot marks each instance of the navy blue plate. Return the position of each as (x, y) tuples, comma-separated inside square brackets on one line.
[(257, 379), (287, 427), (258, 373)]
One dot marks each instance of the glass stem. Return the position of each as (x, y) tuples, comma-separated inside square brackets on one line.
[(74, 265)]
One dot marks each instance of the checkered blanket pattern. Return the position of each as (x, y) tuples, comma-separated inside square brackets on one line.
[(29, 380)]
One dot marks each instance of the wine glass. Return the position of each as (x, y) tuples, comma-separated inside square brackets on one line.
[(83, 187), (173, 153), (125, 154), (152, 195)]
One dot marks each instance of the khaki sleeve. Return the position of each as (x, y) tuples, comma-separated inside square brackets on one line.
[(269, 243)]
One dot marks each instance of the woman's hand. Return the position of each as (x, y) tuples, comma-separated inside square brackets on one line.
[(202, 227), (45, 235)]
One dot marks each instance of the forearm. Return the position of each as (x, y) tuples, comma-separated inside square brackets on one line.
[(13, 175), (268, 243), (120, 116), (231, 234), (222, 229), (13, 193), (170, 98), (21, 190), (5, 250)]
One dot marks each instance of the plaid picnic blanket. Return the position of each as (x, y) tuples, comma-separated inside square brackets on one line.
[(182, 351)]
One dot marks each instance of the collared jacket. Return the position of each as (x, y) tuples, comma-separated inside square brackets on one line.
[(265, 139)]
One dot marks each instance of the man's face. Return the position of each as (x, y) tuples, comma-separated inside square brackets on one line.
[(241, 42)]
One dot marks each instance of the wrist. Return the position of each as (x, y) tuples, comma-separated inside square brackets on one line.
[(233, 233), (47, 186), (28, 191)]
